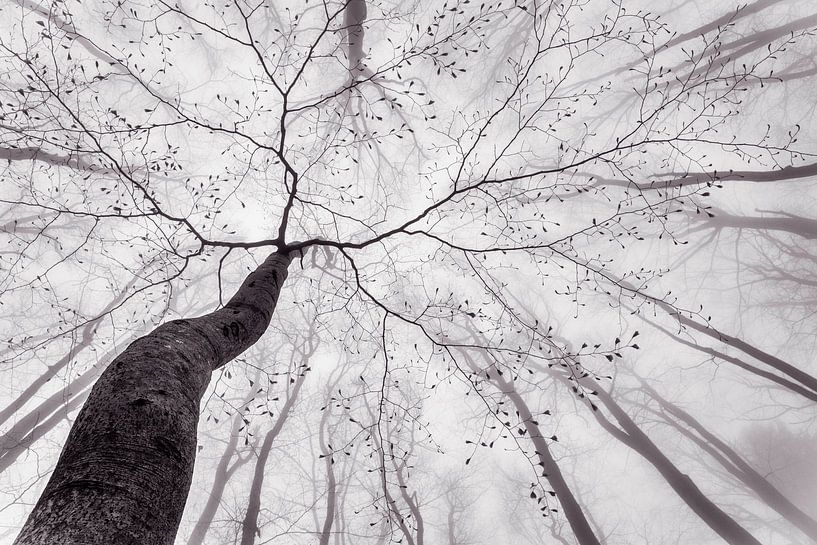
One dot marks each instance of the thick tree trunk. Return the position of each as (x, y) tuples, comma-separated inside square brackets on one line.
[(125, 470)]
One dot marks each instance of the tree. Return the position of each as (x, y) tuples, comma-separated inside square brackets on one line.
[(450, 198)]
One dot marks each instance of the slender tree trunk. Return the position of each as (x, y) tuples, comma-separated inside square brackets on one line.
[(796, 374), (411, 501), (737, 362), (224, 470), (223, 473), (632, 436), (570, 506), (41, 419), (392, 509), (125, 470), (737, 466), (249, 527), (451, 525), (29, 434), (331, 482)]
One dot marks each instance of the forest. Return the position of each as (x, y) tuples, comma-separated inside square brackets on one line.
[(368, 272)]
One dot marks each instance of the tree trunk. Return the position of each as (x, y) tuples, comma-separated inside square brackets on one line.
[(86, 339), (570, 506), (43, 418), (249, 527), (16, 442), (331, 482), (735, 464), (224, 470), (784, 382), (125, 470), (411, 501), (631, 435), (796, 374)]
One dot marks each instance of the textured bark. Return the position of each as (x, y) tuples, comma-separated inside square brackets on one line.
[(126, 467)]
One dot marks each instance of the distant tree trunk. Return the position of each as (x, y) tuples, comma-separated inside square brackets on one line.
[(331, 481), (735, 464), (807, 383), (88, 331), (222, 475), (20, 438), (125, 471), (632, 436), (224, 470), (43, 418), (570, 506), (451, 526), (249, 527), (772, 361), (354, 16), (791, 385), (411, 501)]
